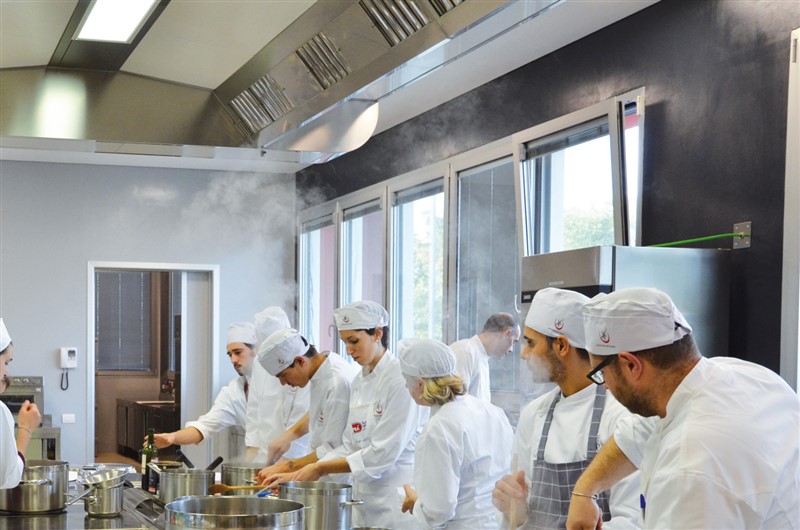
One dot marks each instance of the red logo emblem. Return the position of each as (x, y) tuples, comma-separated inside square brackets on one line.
[(358, 426), (378, 409), (346, 319), (559, 324), (604, 337)]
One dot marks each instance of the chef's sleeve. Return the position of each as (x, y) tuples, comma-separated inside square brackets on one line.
[(11, 464), (336, 409), (437, 477), (631, 434), (221, 415)]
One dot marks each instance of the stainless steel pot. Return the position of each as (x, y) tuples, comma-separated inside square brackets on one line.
[(43, 489), (240, 475), (107, 492), (243, 512), (329, 504), (174, 483)]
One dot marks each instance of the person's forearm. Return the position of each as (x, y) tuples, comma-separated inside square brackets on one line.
[(298, 463), (23, 438), (609, 466), (300, 428), (188, 436), (329, 467)]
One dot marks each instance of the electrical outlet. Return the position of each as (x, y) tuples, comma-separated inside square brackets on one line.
[(68, 418)]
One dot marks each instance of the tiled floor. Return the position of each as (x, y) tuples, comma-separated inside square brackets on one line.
[(114, 458)]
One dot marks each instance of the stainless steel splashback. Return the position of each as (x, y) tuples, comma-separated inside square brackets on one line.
[(697, 280)]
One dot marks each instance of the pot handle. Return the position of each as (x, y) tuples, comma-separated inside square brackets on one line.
[(154, 467), (71, 501), (354, 502), (36, 482)]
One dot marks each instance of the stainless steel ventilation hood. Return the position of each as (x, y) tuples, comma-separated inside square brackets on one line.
[(304, 98)]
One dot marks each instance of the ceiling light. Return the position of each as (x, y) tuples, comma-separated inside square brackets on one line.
[(114, 20)]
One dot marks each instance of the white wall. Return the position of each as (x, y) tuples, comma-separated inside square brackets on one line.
[(55, 218)]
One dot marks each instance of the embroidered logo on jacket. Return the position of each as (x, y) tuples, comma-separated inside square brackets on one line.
[(359, 426)]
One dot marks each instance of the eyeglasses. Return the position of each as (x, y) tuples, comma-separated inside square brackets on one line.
[(596, 376)]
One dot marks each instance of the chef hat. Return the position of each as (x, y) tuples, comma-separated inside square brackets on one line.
[(270, 320), (426, 358), (361, 315), (557, 312), (632, 320), (242, 332), (279, 350), (5, 338)]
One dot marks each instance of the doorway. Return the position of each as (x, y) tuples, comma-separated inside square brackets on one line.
[(143, 318)]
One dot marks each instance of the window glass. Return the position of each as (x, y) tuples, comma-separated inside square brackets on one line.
[(418, 263), (362, 254), (317, 279), (567, 182), (123, 302)]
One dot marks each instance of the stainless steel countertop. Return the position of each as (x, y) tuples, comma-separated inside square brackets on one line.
[(141, 511)]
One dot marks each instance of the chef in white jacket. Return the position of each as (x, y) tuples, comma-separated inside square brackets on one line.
[(289, 357), (464, 448), (383, 422), (560, 432), (12, 450), (273, 408)]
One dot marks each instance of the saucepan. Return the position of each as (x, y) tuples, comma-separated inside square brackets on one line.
[(43, 489), (106, 487)]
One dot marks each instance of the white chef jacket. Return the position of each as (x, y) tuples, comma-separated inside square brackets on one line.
[(271, 409), (330, 403), (386, 461), (567, 440), (727, 453), (229, 409), (472, 366), (463, 450), (10, 462)]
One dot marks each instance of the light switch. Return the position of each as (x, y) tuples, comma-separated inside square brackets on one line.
[(68, 418)]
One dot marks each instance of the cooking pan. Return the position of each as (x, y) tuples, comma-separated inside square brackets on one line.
[(43, 489), (243, 512)]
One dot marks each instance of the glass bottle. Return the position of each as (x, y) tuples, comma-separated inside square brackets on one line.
[(147, 454)]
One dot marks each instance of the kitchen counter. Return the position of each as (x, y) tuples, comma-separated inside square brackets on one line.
[(141, 511)]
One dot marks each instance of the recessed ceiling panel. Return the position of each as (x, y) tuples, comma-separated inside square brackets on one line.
[(30, 31), (203, 43)]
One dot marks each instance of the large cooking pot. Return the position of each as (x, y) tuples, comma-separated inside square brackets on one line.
[(43, 489), (107, 487), (174, 483), (244, 512), (240, 475), (329, 504)]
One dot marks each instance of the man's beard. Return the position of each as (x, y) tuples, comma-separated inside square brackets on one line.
[(637, 403)]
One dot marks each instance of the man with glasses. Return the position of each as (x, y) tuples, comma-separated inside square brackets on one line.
[(721, 445), (559, 433)]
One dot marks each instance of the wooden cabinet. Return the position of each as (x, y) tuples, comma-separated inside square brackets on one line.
[(133, 420)]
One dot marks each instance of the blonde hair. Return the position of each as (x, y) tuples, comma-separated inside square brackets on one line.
[(441, 390)]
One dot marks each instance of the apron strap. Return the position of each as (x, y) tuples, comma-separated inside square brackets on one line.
[(546, 428), (594, 428)]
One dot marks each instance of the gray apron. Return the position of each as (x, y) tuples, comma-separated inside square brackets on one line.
[(552, 484)]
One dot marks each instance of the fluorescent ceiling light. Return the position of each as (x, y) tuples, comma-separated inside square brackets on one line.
[(114, 20)]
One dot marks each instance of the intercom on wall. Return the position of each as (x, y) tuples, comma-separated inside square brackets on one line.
[(69, 357)]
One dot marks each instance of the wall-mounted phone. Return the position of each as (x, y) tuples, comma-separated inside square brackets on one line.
[(69, 357)]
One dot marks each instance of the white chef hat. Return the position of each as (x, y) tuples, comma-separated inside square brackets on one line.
[(242, 332), (5, 338), (279, 350), (270, 320), (361, 315), (631, 320), (426, 358), (555, 312)]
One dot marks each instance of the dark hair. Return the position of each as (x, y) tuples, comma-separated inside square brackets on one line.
[(665, 357), (384, 337), (581, 351), (500, 322)]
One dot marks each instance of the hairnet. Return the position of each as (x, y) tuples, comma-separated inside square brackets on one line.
[(631, 320), (555, 312), (279, 350), (426, 358), (361, 315)]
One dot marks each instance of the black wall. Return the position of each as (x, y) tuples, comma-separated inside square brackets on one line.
[(716, 79)]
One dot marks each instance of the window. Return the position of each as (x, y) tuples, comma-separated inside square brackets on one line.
[(317, 281), (418, 262), (363, 249)]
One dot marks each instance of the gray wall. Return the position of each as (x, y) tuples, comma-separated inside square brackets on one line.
[(716, 76), (55, 218)]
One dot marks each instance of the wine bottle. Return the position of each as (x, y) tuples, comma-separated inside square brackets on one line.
[(148, 454)]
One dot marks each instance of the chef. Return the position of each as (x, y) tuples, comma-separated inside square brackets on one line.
[(230, 405), (559, 433), (289, 357), (499, 334), (383, 422), (274, 409), (464, 448), (12, 451), (723, 451)]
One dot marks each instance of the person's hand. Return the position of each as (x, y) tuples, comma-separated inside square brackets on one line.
[(510, 496), (584, 514), (278, 447), (29, 416), (161, 439), (410, 500), (308, 473), (268, 472)]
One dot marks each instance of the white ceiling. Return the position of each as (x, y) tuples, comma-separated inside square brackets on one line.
[(202, 42)]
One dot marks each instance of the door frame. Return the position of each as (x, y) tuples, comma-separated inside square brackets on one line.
[(212, 326)]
